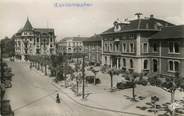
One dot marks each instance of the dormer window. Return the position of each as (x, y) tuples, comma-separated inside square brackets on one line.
[(155, 26), (117, 26), (116, 40)]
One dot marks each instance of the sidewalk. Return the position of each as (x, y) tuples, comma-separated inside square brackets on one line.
[(100, 98)]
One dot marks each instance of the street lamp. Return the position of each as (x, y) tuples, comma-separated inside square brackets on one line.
[(83, 76)]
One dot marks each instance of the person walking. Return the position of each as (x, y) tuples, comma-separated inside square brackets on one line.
[(57, 98)]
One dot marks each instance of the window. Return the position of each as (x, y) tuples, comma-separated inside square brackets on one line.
[(105, 59), (37, 51), (131, 63), (124, 48), (155, 47), (37, 39), (69, 49), (155, 26), (51, 51), (147, 26), (124, 62), (173, 47), (145, 47), (145, 64), (131, 47), (116, 47), (131, 36), (105, 47), (155, 64), (111, 47), (176, 47), (50, 39), (173, 65), (176, 64)]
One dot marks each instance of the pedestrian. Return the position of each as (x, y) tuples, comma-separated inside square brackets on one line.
[(57, 98)]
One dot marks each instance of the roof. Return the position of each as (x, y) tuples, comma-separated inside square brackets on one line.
[(74, 39), (79, 38), (173, 32), (147, 24), (44, 30), (93, 38), (27, 26)]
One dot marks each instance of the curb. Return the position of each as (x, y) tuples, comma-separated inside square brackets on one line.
[(95, 107)]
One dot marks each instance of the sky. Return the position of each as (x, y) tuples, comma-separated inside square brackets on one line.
[(69, 21)]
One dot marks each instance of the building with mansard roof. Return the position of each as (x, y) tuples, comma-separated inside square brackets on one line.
[(126, 45), (34, 41)]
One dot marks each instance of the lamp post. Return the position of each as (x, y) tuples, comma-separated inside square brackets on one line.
[(83, 76), (65, 69)]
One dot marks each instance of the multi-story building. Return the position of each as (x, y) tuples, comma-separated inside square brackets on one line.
[(92, 48), (167, 50), (72, 46), (126, 45), (34, 41)]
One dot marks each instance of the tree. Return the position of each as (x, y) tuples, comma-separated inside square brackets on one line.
[(112, 72), (169, 84), (6, 74), (54, 61), (46, 62), (95, 71), (8, 47), (133, 79)]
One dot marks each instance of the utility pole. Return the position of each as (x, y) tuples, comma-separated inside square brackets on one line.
[(83, 76)]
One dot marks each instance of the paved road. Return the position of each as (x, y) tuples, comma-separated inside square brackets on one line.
[(33, 94)]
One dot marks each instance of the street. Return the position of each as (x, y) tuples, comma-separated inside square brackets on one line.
[(33, 94)]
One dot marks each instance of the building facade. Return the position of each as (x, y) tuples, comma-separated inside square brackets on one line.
[(71, 46), (126, 45), (167, 49), (92, 48), (34, 41)]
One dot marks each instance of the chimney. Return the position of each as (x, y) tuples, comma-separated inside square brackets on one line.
[(138, 15), (151, 16)]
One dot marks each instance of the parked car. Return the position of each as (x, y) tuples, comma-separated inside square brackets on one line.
[(124, 85)]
